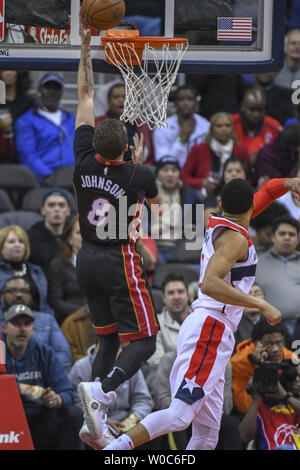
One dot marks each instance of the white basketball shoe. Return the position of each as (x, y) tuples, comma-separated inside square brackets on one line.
[(95, 404)]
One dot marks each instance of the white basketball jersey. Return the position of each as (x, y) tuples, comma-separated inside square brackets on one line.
[(241, 276)]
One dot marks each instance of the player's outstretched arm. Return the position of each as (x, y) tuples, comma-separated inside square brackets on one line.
[(272, 190), (85, 81), (231, 247)]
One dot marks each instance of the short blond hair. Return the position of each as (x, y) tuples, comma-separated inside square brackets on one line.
[(213, 121), (20, 233)]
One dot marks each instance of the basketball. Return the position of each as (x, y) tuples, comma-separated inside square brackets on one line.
[(103, 14)]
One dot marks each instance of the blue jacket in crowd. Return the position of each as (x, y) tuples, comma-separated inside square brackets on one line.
[(47, 331), (39, 278), (39, 365), (42, 145)]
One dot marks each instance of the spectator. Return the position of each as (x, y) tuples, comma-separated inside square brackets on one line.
[(116, 99), (262, 226), (279, 104), (233, 168), (250, 317), (253, 128), (177, 308), (47, 394), (167, 230), (265, 339), (79, 332), (218, 93), (65, 294), (16, 290), (17, 83), (279, 158), (133, 401), (283, 261), (14, 255), (289, 201), (291, 67), (45, 235), (205, 162), (273, 420), (44, 134), (185, 129)]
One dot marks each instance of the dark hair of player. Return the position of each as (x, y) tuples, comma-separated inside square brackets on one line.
[(110, 139), (237, 196)]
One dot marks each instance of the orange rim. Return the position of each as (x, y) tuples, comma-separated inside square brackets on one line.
[(132, 37)]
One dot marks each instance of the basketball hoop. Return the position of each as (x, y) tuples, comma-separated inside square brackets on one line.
[(146, 93)]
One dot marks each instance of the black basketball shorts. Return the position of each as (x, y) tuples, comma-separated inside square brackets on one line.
[(118, 295)]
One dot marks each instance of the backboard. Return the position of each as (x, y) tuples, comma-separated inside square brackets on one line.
[(222, 38)]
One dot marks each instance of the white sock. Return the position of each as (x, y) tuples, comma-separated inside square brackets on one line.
[(122, 443)]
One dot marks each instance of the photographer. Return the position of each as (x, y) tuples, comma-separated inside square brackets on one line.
[(273, 418), (267, 343)]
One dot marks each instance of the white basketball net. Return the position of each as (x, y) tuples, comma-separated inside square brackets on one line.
[(146, 95)]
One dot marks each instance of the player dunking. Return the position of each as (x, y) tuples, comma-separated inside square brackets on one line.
[(206, 337), (110, 269)]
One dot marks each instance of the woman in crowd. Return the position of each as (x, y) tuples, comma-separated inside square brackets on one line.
[(65, 294), (233, 168), (205, 162), (14, 253)]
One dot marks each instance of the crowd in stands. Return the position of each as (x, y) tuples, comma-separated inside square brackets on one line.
[(221, 127)]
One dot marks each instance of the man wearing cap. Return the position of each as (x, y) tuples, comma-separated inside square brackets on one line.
[(44, 134), (175, 194), (44, 235), (46, 392), (16, 290)]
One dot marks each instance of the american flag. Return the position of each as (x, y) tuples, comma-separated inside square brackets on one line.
[(234, 29)]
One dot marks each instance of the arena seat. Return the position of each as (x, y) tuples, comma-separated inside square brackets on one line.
[(24, 219), (5, 202), (32, 200), (188, 271), (158, 300), (62, 177), (17, 177), (182, 255)]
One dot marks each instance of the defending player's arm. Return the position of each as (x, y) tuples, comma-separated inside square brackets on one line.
[(231, 247), (272, 190), (85, 81)]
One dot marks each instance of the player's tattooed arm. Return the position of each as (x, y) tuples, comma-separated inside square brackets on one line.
[(85, 81)]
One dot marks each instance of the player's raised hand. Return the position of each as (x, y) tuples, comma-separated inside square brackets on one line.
[(293, 184), (271, 313), (84, 30), (137, 150)]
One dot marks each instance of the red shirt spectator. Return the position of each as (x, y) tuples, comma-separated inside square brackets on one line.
[(253, 141)]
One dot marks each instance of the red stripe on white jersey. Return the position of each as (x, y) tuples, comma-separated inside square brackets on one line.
[(215, 221)]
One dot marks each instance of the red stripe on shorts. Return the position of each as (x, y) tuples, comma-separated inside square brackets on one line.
[(138, 292), (106, 330), (205, 353)]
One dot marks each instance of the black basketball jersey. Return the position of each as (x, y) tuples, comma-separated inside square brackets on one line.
[(109, 194)]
